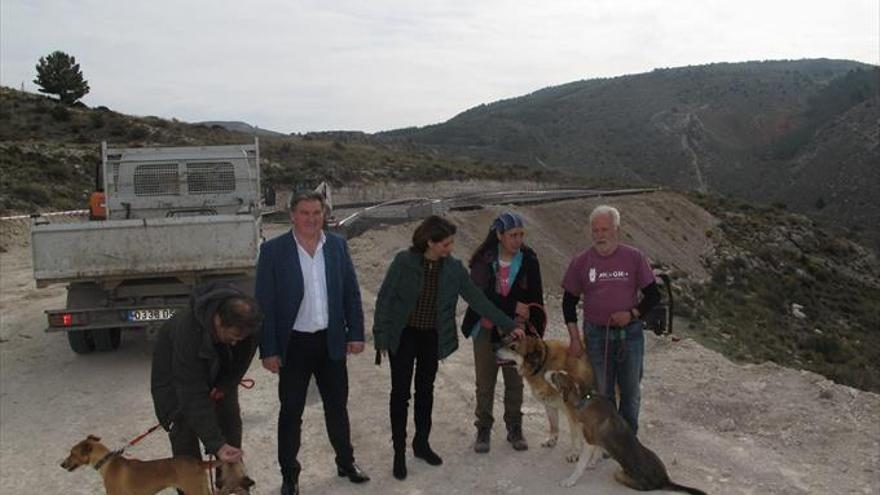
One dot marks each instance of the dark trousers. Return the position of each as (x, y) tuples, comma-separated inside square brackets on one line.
[(185, 442), (306, 356), (418, 349), (486, 371)]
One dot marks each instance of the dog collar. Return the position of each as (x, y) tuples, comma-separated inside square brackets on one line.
[(585, 400), (106, 458)]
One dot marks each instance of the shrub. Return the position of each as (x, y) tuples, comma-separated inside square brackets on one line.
[(96, 120), (60, 113), (138, 133)]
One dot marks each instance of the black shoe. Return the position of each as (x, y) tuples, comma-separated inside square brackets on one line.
[(291, 488), (400, 465), (353, 473), (424, 452), (481, 444), (515, 437)]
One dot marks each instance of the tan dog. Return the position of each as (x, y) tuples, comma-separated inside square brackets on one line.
[(534, 357), (604, 428), (133, 477)]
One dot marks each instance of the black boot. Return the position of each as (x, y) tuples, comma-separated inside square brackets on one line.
[(398, 435), (422, 450), (482, 442), (515, 437), (400, 461), (290, 487)]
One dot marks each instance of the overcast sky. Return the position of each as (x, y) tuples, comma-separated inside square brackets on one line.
[(296, 66)]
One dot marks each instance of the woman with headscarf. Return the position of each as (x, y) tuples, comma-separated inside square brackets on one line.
[(509, 274)]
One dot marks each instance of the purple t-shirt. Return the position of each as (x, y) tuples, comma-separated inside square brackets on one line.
[(608, 283)]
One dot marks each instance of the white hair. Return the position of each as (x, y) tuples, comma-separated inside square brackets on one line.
[(606, 210)]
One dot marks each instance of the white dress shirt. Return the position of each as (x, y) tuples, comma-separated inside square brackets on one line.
[(313, 311)]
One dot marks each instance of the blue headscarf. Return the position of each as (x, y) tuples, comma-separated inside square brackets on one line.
[(506, 221)]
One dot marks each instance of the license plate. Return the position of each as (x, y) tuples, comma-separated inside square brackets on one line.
[(150, 314)]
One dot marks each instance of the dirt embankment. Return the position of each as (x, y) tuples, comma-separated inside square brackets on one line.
[(724, 427)]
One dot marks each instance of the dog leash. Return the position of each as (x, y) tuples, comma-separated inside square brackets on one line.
[(121, 450), (217, 395), (140, 437)]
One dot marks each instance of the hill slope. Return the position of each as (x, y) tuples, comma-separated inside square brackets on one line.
[(802, 133), (49, 151)]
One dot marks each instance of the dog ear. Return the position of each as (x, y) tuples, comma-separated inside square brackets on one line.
[(93, 438), (535, 357)]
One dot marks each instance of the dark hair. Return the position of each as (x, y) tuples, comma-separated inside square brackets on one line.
[(301, 196), (490, 243), (241, 312), (434, 229)]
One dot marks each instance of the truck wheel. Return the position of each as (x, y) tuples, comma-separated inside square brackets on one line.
[(106, 339), (80, 296), (80, 341)]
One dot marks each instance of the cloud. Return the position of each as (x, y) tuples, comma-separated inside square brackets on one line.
[(314, 65)]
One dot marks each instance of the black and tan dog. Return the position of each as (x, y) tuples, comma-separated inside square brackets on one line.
[(604, 428), (534, 357), (133, 477)]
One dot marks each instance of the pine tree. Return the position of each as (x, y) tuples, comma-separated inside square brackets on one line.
[(59, 74)]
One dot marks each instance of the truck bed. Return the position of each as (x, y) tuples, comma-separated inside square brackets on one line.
[(119, 249)]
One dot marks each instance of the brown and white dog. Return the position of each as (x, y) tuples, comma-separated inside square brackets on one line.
[(534, 357), (604, 428), (133, 477)]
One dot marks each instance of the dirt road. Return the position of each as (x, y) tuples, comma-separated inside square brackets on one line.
[(724, 427)]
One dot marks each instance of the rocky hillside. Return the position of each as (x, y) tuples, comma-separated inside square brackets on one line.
[(49, 153), (786, 290), (801, 133)]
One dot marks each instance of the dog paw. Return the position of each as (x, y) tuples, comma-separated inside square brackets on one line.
[(572, 457), (549, 443), (568, 482)]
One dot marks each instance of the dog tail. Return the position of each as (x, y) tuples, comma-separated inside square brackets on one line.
[(681, 488)]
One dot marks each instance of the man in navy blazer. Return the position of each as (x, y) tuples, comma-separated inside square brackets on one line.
[(309, 294)]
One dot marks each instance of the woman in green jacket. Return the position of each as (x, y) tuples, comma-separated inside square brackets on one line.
[(415, 323)]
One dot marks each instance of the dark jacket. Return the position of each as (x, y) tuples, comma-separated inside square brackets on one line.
[(400, 292), (280, 289), (187, 365), (527, 288)]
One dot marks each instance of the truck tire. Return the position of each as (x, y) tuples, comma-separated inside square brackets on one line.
[(80, 341), (106, 339), (80, 296)]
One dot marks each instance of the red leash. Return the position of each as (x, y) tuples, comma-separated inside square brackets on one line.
[(140, 437), (217, 395)]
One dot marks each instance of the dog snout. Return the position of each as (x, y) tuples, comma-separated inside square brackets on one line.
[(69, 464)]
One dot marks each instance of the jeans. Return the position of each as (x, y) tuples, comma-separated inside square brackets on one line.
[(625, 351)]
